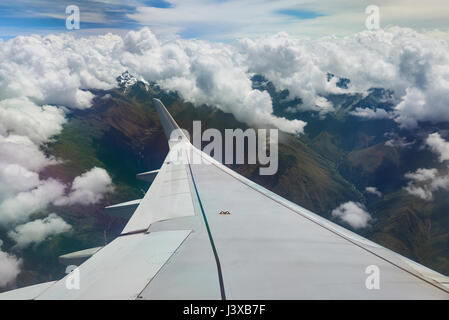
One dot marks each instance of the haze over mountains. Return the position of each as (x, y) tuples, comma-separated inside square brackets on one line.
[(364, 141)]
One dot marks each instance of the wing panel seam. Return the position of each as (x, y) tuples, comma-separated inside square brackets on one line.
[(211, 239)]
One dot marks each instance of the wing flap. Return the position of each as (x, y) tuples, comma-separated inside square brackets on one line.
[(168, 197), (122, 269)]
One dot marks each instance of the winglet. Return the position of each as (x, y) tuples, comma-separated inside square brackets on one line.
[(168, 123)]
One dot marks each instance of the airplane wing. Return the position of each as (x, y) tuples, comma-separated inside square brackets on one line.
[(202, 231)]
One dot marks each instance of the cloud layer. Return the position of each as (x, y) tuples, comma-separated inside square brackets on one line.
[(411, 64), (57, 70)]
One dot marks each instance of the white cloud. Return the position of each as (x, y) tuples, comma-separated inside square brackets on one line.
[(438, 145), (352, 213), (30, 195), (424, 182), (38, 230), (422, 174), (15, 178), (399, 142), (420, 192), (22, 117), (54, 70), (19, 207), (22, 151), (373, 190), (9, 267), (370, 113), (88, 188)]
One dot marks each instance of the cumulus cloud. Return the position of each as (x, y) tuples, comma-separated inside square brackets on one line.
[(373, 190), (420, 192), (352, 213), (21, 150), (9, 267), (19, 207), (23, 117), (88, 188), (422, 174), (38, 230), (424, 182), (438, 145)]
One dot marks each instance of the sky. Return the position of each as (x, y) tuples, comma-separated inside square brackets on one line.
[(220, 20)]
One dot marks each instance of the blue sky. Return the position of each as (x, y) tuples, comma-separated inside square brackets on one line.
[(218, 19)]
